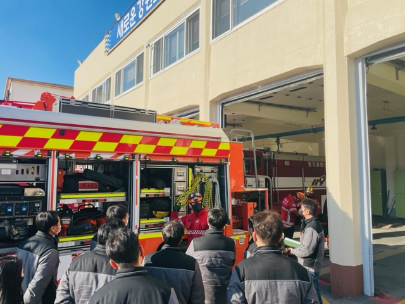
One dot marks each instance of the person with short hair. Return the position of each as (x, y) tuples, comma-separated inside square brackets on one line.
[(172, 266), (91, 269), (215, 253), (251, 245), (40, 259), (268, 276), (132, 283), (118, 211), (311, 250), (11, 276)]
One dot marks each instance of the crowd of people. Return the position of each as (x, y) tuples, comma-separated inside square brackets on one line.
[(117, 270)]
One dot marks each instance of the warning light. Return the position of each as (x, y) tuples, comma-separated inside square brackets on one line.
[(38, 155), (98, 156), (199, 160), (126, 157), (67, 156), (147, 158), (174, 159), (7, 154)]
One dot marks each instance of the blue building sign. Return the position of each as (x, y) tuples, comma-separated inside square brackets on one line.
[(133, 16)]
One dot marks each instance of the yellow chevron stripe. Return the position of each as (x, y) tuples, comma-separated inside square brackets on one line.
[(89, 136), (144, 148), (168, 142), (39, 132), (9, 140), (224, 146), (198, 144), (55, 143), (209, 152), (105, 146), (131, 139), (179, 151)]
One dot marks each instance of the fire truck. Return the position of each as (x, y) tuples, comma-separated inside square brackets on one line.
[(288, 173), (80, 157)]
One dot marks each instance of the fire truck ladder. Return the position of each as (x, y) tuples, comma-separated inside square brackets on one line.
[(237, 134)]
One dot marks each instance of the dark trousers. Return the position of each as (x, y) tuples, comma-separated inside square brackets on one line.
[(289, 232)]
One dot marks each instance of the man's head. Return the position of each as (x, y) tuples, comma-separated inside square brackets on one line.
[(217, 218), (105, 229), (48, 222), (308, 208), (119, 211), (194, 200), (172, 233), (267, 228), (123, 249)]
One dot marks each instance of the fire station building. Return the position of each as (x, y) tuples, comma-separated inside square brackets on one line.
[(326, 78)]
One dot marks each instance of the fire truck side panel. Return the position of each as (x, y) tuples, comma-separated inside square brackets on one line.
[(94, 162), (237, 181)]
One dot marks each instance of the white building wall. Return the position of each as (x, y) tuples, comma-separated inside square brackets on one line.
[(31, 91)]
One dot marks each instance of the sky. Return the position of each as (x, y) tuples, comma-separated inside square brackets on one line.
[(42, 40)]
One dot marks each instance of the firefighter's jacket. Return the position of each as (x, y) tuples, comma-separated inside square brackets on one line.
[(215, 253), (85, 275), (195, 224), (180, 271), (40, 259), (311, 250), (134, 285), (270, 277), (289, 210)]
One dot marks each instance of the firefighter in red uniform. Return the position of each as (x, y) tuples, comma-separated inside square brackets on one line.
[(309, 193), (289, 210), (196, 222)]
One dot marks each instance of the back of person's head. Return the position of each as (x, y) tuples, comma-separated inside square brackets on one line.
[(45, 220), (106, 228), (10, 280), (123, 247), (118, 211), (309, 205), (268, 226), (172, 233), (217, 218)]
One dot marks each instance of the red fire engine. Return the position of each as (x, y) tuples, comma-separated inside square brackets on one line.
[(288, 172), (82, 157)]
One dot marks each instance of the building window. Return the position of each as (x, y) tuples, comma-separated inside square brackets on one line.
[(85, 98), (193, 32), (221, 17), (175, 44), (101, 93), (241, 10), (129, 75)]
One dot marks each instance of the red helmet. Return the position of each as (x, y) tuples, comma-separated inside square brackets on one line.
[(194, 197), (300, 196)]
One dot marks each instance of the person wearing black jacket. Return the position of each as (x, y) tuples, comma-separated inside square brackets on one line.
[(268, 276), (172, 266), (132, 283), (215, 253), (119, 211), (40, 258), (91, 269)]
